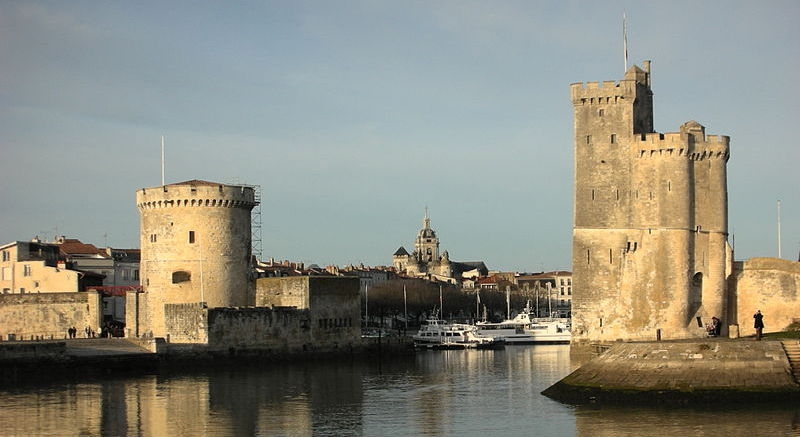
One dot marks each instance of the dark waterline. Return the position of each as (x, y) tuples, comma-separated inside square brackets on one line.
[(447, 393)]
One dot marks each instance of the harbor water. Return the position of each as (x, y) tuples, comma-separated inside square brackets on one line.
[(430, 393)]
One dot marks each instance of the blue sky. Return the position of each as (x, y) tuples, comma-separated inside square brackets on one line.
[(353, 116)]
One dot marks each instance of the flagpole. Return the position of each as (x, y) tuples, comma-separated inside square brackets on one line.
[(625, 39), (162, 160), (779, 228)]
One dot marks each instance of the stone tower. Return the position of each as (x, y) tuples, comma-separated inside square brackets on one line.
[(650, 254), (195, 243)]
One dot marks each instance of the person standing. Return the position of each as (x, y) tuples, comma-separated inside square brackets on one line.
[(759, 323)]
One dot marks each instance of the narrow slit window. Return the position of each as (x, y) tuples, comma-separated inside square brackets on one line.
[(191, 237)]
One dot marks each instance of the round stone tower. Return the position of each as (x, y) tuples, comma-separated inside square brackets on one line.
[(195, 249)]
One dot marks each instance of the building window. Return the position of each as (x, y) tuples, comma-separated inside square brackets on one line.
[(135, 274), (153, 238), (601, 112), (191, 237), (6, 255), (180, 276), (613, 138), (26, 270)]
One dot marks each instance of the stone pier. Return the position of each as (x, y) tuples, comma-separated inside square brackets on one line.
[(714, 370)]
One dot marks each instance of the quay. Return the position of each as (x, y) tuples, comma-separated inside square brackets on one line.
[(711, 371), (93, 357)]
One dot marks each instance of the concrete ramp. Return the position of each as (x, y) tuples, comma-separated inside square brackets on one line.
[(103, 347)]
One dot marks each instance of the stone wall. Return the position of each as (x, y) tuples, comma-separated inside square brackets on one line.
[(186, 322), (771, 285), (280, 329), (282, 292), (48, 315), (297, 314)]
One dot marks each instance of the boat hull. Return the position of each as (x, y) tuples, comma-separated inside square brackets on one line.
[(495, 344)]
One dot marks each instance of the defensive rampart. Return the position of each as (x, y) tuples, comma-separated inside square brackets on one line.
[(256, 329), (771, 285), (46, 316)]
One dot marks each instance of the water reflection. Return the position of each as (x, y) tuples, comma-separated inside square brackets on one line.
[(451, 393), (732, 421)]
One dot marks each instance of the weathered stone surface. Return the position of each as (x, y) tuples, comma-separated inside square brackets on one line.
[(48, 316), (681, 371)]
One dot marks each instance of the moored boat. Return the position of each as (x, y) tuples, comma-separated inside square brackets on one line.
[(525, 329), (438, 334)]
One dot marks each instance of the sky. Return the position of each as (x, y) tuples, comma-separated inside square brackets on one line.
[(353, 117)]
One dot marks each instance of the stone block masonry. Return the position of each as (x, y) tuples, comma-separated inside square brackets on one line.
[(280, 330), (46, 316), (683, 372)]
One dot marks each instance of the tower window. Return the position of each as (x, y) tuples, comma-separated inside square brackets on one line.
[(180, 276), (613, 138), (600, 112), (588, 139), (191, 237)]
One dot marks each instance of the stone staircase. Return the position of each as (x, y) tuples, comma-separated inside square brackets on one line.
[(792, 348)]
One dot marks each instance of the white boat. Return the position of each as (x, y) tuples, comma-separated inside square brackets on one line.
[(438, 334), (525, 329)]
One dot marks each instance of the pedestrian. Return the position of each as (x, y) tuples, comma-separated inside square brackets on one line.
[(716, 323), (759, 323)]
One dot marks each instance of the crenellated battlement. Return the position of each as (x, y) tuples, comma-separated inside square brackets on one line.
[(196, 194), (602, 92), (192, 203), (652, 145)]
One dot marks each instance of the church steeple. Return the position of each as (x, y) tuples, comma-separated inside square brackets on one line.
[(427, 244)]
